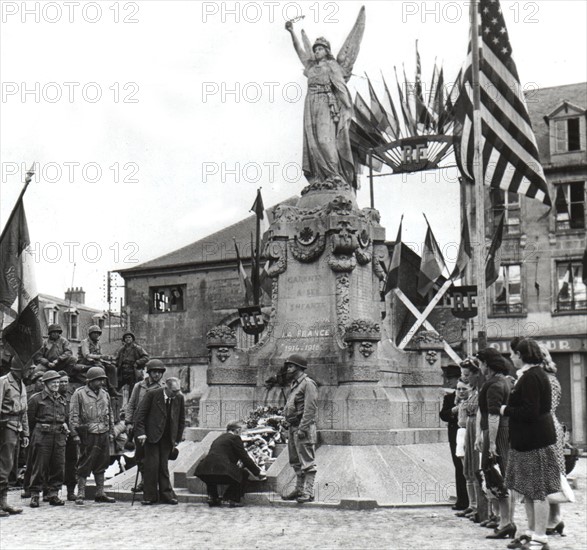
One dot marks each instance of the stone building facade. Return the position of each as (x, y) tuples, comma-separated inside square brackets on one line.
[(541, 291)]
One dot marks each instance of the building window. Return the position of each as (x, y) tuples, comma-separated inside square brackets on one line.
[(52, 316), (166, 299), (570, 205), (74, 326), (571, 291), (508, 204), (508, 290), (567, 135)]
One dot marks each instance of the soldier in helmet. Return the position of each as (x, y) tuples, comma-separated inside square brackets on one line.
[(89, 355), (130, 360), (300, 412), (71, 449), (14, 426), (47, 412), (91, 423), (153, 381), (55, 353)]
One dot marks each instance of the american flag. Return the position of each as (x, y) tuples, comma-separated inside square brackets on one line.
[(510, 155)]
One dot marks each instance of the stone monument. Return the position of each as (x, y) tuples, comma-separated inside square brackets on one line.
[(326, 264)]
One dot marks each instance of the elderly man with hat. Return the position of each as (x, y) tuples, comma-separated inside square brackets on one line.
[(300, 412), (153, 381), (14, 427), (130, 361), (47, 413), (55, 353), (449, 414), (91, 422)]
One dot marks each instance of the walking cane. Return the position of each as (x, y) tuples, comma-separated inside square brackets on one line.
[(134, 491)]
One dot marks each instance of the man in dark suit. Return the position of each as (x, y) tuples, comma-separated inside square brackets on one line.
[(449, 413), (159, 424), (220, 467)]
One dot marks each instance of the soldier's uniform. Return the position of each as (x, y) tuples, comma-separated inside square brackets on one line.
[(55, 354), (91, 420), (300, 412), (47, 414), (71, 449), (129, 359), (13, 426)]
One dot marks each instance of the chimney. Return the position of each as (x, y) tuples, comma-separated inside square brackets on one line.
[(76, 295)]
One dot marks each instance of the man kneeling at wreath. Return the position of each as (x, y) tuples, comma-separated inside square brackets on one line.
[(220, 467)]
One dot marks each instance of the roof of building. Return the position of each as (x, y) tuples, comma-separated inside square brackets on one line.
[(62, 302), (543, 101), (216, 247)]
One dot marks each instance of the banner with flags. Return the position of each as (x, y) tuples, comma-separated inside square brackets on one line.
[(19, 300), (510, 155), (493, 261), (431, 265), (392, 279)]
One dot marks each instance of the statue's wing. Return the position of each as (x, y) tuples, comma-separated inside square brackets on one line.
[(307, 45), (350, 49)]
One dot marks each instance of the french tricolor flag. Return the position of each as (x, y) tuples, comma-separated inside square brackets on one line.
[(19, 300)]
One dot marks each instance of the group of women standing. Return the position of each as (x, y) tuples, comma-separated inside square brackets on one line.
[(507, 421)]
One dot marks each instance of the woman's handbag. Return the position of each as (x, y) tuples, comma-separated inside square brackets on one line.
[(492, 473), (564, 495)]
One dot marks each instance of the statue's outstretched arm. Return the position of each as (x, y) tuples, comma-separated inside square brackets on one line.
[(300, 50)]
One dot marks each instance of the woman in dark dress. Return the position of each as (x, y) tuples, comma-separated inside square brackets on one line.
[(532, 469), (493, 439), (220, 467)]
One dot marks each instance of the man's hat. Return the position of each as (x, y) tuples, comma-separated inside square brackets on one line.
[(297, 360), (451, 371), (94, 328), (50, 375), (155, 364), (95, 373), (54, 328), (35, 376), (128, 334), (174, 453)]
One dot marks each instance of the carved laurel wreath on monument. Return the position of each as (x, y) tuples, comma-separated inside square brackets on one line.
[(221, 336)]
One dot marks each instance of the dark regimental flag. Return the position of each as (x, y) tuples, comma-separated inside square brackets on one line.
[(493, 261), (510, 155), (19, 301)]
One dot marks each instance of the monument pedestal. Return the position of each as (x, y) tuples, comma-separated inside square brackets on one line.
[(327, 259)]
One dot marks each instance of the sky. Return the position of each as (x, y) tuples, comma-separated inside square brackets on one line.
[(153, 123)]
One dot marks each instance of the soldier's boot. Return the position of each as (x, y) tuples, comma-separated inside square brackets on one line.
[(100, 494), (3, 514), (35, 498), (7, 507), (308, 493), (81, 491), (71, 496), (298, 489)]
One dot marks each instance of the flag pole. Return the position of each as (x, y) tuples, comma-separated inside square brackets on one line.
[(27, 181), (479, 187), (371, 191)]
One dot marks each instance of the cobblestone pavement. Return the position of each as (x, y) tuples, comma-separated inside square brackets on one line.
[(189, 526)]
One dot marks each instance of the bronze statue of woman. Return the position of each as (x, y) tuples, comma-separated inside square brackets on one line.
[(327, 157)]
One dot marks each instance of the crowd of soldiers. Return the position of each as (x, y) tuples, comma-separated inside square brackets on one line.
[(72, 423), (82, 414)]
